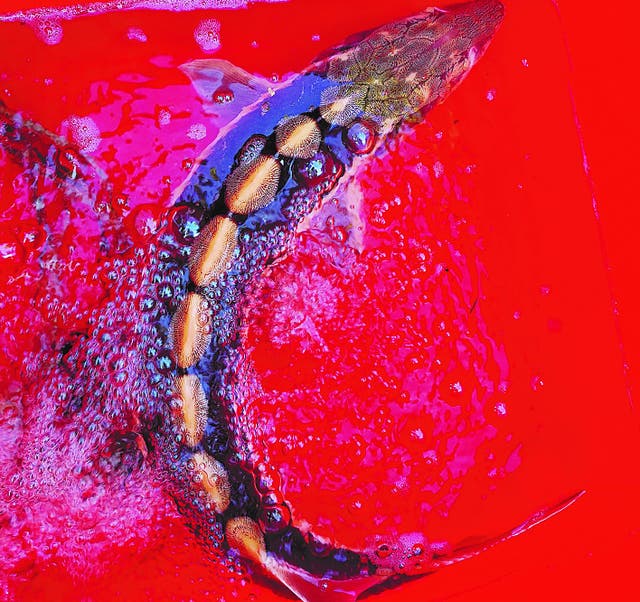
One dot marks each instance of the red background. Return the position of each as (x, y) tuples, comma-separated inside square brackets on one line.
[(580, 60)]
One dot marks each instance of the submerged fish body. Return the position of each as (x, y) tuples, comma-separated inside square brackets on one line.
[(287, 149)]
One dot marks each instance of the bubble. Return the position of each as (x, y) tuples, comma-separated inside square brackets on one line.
[(49, 31), (33, 235), (537, 383), (383, 551), (417, 434), (251, 149), (500, 408), (223, 95), (197, 131), (207, 35), (136, 34), (163, 116), (456, 387), (146, 304), (164, 291), (186, 223), (145, 221), (275, 518), (312, 172), (360, 138), (84, 132), (339, 234), (9, 249)]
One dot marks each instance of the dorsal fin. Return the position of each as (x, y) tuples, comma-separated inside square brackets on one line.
[(224, 88)]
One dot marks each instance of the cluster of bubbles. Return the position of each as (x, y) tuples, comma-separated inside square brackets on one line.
[(84, 133), (48, 30), (207, 35)]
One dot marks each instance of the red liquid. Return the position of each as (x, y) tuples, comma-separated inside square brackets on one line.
[(510, 164)]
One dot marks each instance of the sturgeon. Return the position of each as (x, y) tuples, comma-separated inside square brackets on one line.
[(270, 167)]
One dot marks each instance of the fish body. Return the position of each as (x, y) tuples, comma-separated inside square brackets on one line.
[(268, 169)]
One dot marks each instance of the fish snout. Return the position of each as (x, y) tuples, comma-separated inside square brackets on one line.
[(407, 66), (477, 22), (451, 41)]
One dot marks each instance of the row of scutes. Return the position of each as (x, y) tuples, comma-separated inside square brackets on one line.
[(252, 184)]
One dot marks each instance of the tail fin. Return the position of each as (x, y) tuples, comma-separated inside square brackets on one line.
[(469, 551)]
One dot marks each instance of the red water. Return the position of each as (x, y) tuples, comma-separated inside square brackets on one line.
[(529, 401)]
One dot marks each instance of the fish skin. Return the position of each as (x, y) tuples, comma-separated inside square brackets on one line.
[(434, 50)]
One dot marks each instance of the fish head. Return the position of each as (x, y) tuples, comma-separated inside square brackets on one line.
[(408, 66)]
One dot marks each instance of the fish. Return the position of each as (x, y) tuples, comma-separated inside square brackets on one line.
[(284, 150)]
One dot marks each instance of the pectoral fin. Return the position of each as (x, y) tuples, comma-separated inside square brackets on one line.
[(224, 88)]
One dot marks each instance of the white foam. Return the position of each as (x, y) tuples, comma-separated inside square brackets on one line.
[(207, 35), (78, 10)]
